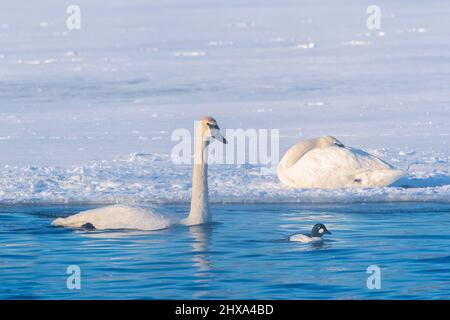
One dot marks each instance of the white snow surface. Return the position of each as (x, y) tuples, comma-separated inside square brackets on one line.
[(87, 115), (154, 179)]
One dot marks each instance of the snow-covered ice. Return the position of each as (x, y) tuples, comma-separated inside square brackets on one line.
[(141, 178), (86, 115)]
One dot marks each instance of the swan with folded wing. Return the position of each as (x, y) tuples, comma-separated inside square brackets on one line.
[(326, 163)]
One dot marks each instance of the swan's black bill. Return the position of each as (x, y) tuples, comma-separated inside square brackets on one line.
[(219, 137)]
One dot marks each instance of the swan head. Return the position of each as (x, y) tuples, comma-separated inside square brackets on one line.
[(319, 230), (329, 141), (210, 130)]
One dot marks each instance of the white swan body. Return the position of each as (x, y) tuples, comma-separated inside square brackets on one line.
[(117, 217), (124, 217), (326, 163)]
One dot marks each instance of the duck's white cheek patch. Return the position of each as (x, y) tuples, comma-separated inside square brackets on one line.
[(320, 230)]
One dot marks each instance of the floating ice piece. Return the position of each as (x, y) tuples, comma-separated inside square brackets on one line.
[(315, 104), (356, 43), (220, 43), (190, 54), (241, 25), (309, 45), (416, 30)]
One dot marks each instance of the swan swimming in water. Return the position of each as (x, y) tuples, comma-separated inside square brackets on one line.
[(124, 217), (326, 163)]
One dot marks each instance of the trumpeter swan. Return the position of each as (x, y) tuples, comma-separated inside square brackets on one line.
[(124, 217), (326, 163)]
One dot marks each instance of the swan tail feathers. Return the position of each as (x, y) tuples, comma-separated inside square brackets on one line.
[(377, 178)]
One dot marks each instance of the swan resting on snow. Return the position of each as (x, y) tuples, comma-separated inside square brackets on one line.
[(124, 217), (326, 163)]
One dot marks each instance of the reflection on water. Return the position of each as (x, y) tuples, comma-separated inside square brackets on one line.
[(201, 239), (245, 254)]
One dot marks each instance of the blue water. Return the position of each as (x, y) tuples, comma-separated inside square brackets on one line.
[(244, 254)]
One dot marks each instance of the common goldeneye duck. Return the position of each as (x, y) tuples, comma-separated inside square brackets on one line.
[(316, 234)]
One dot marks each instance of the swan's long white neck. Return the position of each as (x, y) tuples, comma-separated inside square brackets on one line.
[(292, 156), (199, 202), (296, 152)]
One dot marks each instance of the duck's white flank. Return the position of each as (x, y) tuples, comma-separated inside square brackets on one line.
[(304, 238)]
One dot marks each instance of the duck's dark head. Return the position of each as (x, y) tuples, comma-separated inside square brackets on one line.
[(319, 230)]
